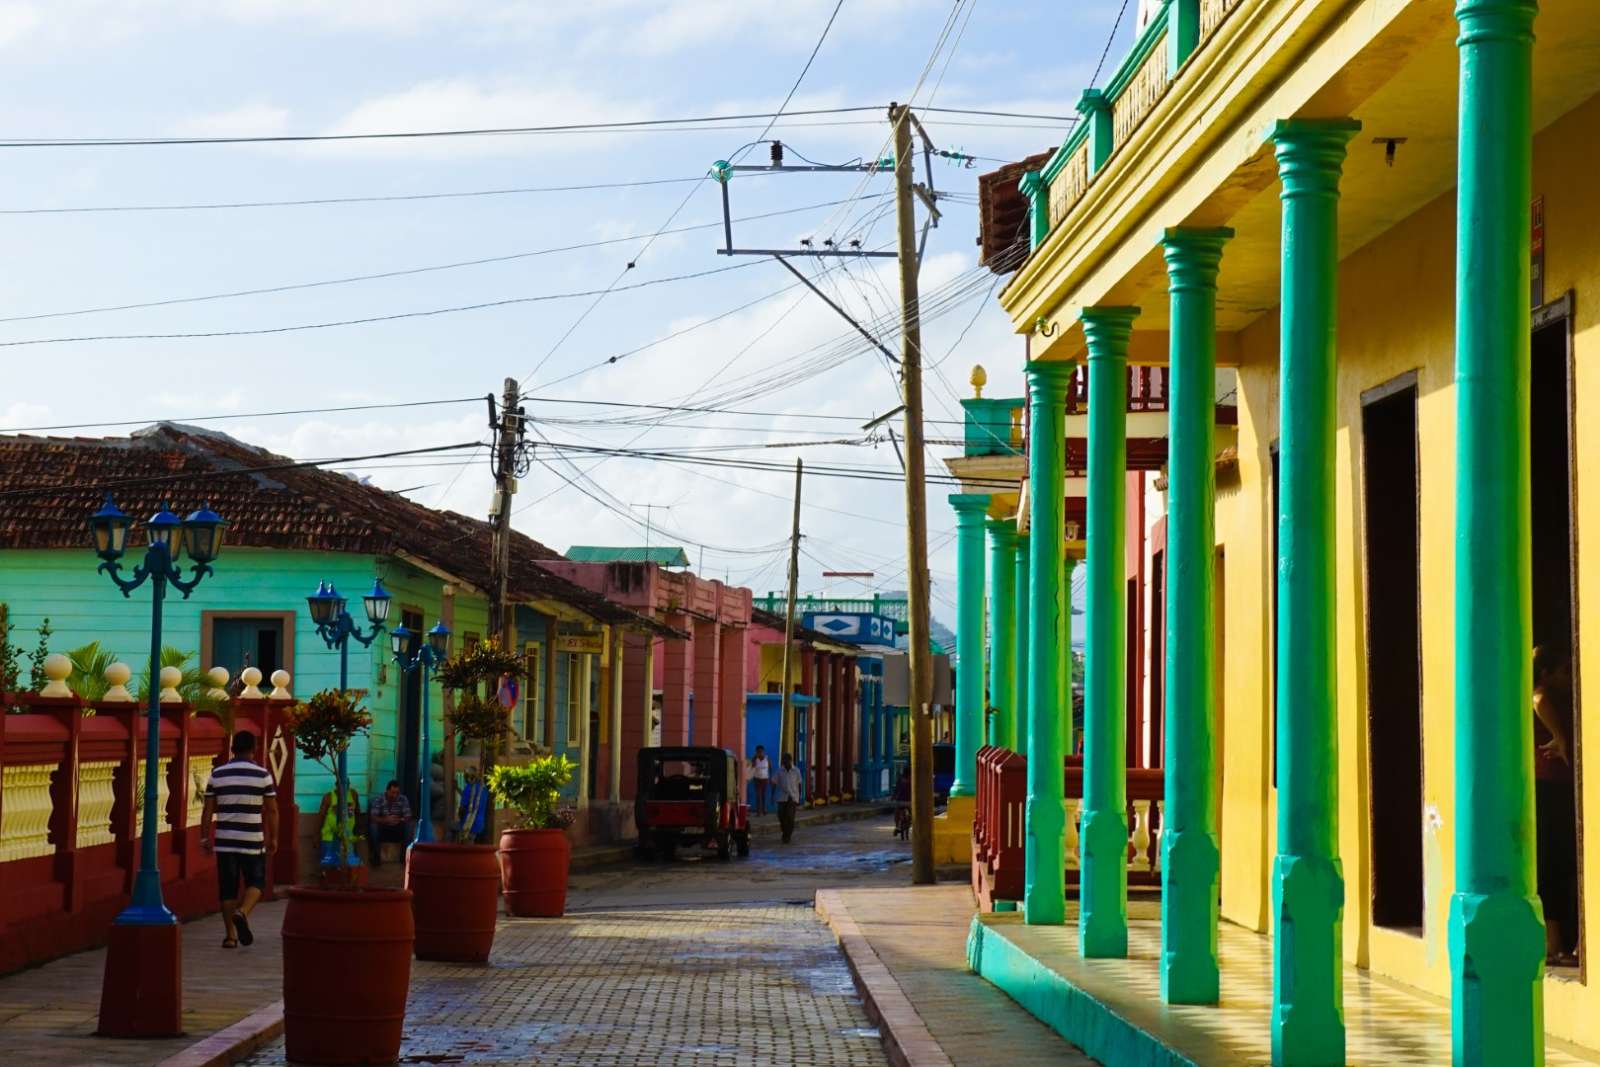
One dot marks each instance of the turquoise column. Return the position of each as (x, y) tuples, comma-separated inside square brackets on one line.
[(970, 510), (1496, 919), (1103, 837), (1189, 856), (1044, 899), (1002, 632), (1024, 719), (1307, 878)]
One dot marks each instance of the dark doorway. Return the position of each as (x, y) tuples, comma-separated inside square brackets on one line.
[(1158, 658), (1394, 650), (407, 741), (1557, 764), (240, 641), (1132, 716)]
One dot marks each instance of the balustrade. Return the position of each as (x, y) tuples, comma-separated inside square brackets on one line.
[(998, 828), (71, 800)]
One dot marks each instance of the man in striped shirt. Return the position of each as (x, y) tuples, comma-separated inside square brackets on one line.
[(241, 802)]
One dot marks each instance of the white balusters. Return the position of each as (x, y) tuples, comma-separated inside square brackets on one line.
[(96, 797), (1161, 830), (25, 814), (1140, 837), (163, 765), (1073, 804)]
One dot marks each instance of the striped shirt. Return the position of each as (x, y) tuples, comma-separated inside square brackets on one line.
[(240, 789)]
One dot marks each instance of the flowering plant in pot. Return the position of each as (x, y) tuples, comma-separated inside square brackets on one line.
[(535, 855), (456, 884), (346, 947)]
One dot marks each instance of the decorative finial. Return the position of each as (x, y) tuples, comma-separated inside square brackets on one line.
[(218, 677), (251, 677), (170, 677), (280, 686), (118, 675), (979, 379), (57, 668)]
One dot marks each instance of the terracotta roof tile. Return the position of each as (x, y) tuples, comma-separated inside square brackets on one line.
[(49, 486)]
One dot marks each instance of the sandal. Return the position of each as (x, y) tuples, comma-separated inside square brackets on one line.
[(242, 925), (230, 942)]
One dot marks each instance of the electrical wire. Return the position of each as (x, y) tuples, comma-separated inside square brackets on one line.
[(370, 319), (405, 272), (245, 415)]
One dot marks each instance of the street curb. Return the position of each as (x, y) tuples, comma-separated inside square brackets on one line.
[(233, 1043), (905, 1036), (606, 855)]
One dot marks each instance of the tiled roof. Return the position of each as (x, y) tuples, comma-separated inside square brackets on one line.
[(50, 485), (1003, 214), (664, 555)]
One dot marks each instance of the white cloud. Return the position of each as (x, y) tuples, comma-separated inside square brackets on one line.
[(256, 119)]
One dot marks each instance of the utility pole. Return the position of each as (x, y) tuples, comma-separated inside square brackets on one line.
[(918, 594), (509, 426), (786, 716)]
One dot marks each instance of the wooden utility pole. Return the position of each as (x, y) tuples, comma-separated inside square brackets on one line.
[(786, 717), (918, 594), (501, 617)]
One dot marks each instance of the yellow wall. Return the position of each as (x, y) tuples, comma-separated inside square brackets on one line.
[(1396, 313)]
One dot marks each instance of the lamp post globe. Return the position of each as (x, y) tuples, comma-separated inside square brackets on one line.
[(377, 603), (202, 535), (439, 641), (165, 529), (108, 529)]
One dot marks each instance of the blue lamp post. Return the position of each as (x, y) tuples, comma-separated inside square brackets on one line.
[(336, 628), (201, 535), (141, 992), (410, 652)]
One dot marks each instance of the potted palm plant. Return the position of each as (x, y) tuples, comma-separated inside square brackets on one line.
[(346, 947), (535, 855), (455, 885)]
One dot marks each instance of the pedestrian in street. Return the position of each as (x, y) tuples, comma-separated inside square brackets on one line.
[(239, 822), (332, 833), (473, 811), (388, 820), (787, 784), (761, 776)]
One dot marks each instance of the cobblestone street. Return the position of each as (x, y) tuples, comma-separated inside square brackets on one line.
[(694, 963)]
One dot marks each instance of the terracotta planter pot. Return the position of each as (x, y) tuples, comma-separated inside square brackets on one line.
[(533, 872), (455, 897), (346, 969)]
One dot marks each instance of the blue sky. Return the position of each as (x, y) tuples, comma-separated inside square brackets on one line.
[(102, 68)]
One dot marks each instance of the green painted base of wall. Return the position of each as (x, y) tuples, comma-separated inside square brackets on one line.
[(1087, 1021)]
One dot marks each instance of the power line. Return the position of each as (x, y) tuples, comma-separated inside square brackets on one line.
[(159, 479), (624, 125), (246, 415), (405, 272), (368, 320)]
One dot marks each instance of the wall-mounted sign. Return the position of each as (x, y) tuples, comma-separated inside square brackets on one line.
[(584, 644)]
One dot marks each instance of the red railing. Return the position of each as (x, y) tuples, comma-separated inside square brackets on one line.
[(999, 821), (71, 786), (1147, 389)]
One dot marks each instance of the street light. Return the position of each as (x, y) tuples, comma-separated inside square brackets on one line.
[(144, 936), (410, 652), (336, 628)]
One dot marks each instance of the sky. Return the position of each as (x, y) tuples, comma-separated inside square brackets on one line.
[(747, 338)]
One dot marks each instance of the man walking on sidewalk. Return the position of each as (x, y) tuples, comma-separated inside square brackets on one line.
[(242, 802), (786, 783)]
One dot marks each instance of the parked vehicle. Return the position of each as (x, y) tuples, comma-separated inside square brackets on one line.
[(690, 797)]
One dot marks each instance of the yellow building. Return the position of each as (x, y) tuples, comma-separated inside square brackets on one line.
[(1381, 214)]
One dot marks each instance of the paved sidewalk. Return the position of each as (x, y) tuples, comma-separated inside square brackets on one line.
[(48, 1014), (762, 986), (908, 946), (589, 857)]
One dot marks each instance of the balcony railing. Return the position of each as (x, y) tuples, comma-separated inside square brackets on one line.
[(71, 800), (1147, 390), (1151, 65), (999, 821)]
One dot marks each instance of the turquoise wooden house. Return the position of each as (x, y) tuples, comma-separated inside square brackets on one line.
[(289, 528)]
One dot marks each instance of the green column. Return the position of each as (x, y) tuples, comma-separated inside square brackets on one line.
[(1189, 858), (1038, 194), (1024, 720), (1045, 860), (1496, 919), (1096, 111), (1307, 878), (1103, 837), (1002, 632), (970, 509)]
